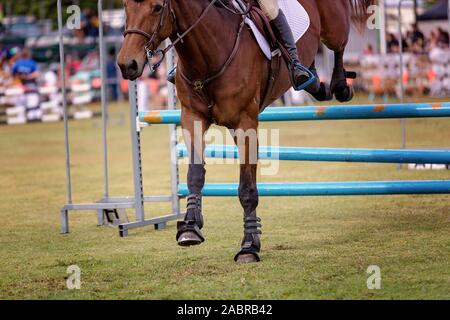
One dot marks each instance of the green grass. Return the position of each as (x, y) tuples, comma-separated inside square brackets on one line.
[(312, 247)]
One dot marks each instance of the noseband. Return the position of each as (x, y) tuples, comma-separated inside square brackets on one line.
[(150, 53)]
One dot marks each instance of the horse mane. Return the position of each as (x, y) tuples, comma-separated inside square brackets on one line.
[(359, 12)]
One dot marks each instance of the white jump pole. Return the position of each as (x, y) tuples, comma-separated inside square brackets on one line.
[(64, 102), (171, 105), (104, 100), (402, 87)]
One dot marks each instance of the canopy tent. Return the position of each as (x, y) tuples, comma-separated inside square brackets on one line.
[(438, 11)]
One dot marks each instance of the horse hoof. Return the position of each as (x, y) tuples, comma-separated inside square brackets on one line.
[(324, 93), (188, 239), (246, 258), (345, 94)]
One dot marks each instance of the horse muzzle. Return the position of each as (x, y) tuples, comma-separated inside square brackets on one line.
[(131, 69)]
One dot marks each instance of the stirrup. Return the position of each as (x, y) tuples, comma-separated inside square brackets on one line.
[(311, 75), (251, 225)]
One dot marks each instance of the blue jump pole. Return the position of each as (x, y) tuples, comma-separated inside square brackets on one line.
[(328, 188), (330, 154), (382, 111)]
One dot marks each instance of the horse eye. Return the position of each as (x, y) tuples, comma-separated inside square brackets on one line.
[(157, 8)]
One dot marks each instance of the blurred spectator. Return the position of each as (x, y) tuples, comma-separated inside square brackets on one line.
[(368, 50), (443, 38), (414, 41), (406, 45), (416, 35), (393, 45), (432, 41), (25, 68), (111, 74), (73, 63), (89, 23), (10, 59)]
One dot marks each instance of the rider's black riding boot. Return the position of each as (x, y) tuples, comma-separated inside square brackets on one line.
[(300, 78)]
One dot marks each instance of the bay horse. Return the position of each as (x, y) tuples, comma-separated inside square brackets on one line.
[(221, 78)]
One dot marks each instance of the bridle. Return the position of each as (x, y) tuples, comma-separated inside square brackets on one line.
[(151, 53), (199, 84)]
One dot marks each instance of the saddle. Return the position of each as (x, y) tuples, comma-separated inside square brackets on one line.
[(278, 51), (255, 13)]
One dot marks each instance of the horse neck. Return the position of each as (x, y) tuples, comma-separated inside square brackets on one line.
[(206, 47)]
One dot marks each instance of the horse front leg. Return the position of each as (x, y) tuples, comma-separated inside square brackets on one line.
[(246, 138), (194, 128)]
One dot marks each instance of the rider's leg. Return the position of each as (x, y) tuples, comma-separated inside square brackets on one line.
[(300, 78)]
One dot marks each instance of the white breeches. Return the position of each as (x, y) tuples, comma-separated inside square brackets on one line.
[(270, 8)]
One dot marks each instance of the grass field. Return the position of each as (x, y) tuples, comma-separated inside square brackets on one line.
[(312, 247)]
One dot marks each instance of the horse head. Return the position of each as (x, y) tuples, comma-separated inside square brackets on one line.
[(148, 23)]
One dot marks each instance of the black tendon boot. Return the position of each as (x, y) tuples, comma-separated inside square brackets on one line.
[(251, 244), (300, 76), (189, 233)]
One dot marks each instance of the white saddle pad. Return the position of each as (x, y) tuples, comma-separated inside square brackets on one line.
[(298, 20)]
